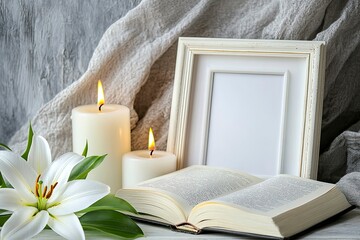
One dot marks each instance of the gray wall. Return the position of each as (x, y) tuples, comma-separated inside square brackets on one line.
[(44, 47)]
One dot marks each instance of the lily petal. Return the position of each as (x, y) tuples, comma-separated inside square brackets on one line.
[(67, 226), (10, 199), (40, 155), (60, 169), (78, 195), (19, 174), (23, 224)]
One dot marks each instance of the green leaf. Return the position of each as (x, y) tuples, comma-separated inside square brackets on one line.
[(81, 170), (4, 146), (112, 223), (84, 153), (30, 137), (2, 182), (4, 218), (110, 202)]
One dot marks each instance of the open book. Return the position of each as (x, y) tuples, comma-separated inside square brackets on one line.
[(202, 197)]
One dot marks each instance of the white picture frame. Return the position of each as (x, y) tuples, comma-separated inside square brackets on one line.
[(254, 105)]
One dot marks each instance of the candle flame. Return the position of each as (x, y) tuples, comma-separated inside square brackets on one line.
[(101, 98), (151, 145)]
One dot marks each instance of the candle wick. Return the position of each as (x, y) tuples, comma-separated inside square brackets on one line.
[(100, 107), (151, 152)]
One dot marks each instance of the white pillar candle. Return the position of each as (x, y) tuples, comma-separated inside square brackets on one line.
[(138, 166), (107, 132)]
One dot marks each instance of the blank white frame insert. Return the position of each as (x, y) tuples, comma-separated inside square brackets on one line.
[(259, 124)]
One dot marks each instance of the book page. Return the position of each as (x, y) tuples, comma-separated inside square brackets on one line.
[(277, 194), (200, 183)]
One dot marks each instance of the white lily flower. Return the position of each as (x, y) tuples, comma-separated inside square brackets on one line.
[(41, 194)]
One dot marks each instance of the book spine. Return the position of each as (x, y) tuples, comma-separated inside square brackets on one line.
[(185, 227)]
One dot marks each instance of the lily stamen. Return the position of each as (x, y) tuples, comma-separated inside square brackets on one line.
[(37, 190), (37, 185), (52, 187), (45, 190), (50, 192), (43, 193), (38, 178)]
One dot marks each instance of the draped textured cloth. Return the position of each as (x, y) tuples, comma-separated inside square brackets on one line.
[(136, 58)]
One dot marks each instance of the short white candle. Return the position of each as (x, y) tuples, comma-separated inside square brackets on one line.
[(107, 132), (138, 166)]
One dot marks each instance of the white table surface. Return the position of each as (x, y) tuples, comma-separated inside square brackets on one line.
[(346, 226)]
